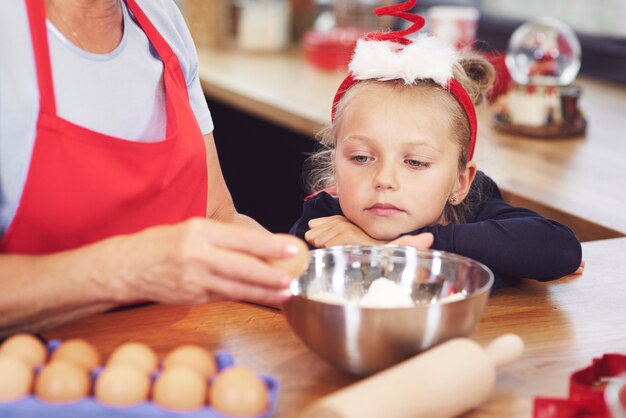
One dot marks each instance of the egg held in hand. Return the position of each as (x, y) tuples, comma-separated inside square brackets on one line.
[(239, 391), (297, 263)]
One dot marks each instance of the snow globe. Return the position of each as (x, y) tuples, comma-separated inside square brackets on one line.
[(543, 59)]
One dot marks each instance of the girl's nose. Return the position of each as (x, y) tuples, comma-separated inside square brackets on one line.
[(385, 178)]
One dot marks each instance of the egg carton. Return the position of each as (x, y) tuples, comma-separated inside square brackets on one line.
[(33, 407)]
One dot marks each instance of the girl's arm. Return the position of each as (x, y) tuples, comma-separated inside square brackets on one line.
[(319, 206), (323, 225), (514, 242)]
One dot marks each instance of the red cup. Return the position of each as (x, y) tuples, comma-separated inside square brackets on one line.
[(331, 50)]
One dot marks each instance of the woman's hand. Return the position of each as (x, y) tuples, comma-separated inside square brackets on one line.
[(201, 260), (337, 230), (194, 261)]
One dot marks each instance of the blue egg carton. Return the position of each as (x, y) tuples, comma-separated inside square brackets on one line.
[(33, 407)]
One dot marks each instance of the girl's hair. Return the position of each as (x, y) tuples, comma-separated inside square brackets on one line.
[(473, 72)]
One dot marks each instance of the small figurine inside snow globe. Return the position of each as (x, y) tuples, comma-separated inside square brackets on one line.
[(543, 59)]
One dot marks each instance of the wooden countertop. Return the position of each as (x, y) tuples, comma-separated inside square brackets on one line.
[(565, 324), (576, 181)]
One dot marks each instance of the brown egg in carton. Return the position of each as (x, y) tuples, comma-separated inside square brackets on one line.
[(68, 378)]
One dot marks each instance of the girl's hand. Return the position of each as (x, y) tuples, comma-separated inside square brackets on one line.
[(337, 230), (420, 241), (200, 260), (581, 268)]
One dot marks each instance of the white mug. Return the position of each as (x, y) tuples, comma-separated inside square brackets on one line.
[(454, 24)]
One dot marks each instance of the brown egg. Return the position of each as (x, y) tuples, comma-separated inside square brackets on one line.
[(179, 389), (239, 391), (60, 381), (191, 356), (135, 354), (27, 347), (16, 378), (297, 263), (79, 352), (122, 385)]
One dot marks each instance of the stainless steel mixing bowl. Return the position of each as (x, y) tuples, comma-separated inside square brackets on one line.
[(364, 340)]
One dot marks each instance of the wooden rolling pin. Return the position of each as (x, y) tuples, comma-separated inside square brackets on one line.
[(443, 382)]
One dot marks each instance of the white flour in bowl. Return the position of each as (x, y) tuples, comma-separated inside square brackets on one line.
[(382, 293)]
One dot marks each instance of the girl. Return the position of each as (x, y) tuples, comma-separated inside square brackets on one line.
[(397, 160)]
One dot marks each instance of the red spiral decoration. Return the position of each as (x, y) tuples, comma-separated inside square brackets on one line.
[(400, 11)]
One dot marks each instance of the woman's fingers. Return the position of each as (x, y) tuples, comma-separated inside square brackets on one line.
[(233, 262), (229, 278), (240, 267), (200, 260), (251, 293), (238, 238)]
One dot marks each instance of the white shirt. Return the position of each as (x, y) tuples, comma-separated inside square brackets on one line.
[(119, 94)]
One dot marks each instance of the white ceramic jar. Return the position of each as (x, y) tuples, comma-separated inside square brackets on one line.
[(263, 25)]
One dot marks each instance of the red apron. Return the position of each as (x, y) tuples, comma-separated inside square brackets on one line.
[(83, 186)]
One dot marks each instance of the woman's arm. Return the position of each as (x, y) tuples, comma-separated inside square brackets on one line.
[(192, 262), (40, 292)]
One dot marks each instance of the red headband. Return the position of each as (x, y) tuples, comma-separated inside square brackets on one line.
[(452, 86)]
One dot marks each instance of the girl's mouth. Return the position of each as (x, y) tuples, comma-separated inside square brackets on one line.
[(384, 209)]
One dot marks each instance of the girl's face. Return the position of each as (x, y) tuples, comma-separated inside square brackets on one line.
[(395, 163)]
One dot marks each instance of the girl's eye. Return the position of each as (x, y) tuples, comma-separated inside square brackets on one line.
[(416, 164), (360, 159)]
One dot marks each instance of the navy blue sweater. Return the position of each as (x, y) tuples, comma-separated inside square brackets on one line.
[(513, 242)]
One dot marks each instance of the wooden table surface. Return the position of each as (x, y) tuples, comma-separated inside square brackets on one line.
[(576, 181), (565, 324)]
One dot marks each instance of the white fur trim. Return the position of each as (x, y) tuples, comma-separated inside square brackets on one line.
[(426, 58)]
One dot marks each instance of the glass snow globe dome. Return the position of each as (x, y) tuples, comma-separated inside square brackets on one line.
[(543, 51)]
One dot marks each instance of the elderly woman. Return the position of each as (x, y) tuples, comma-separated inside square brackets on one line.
[(110, 187)]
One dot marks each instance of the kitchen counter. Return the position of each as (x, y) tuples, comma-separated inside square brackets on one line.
[(564, 324)]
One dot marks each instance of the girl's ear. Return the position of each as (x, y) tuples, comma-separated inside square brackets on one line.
[(463, 183)]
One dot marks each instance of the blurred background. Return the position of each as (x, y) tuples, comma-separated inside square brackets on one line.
[(584, 37), (276, 24)]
